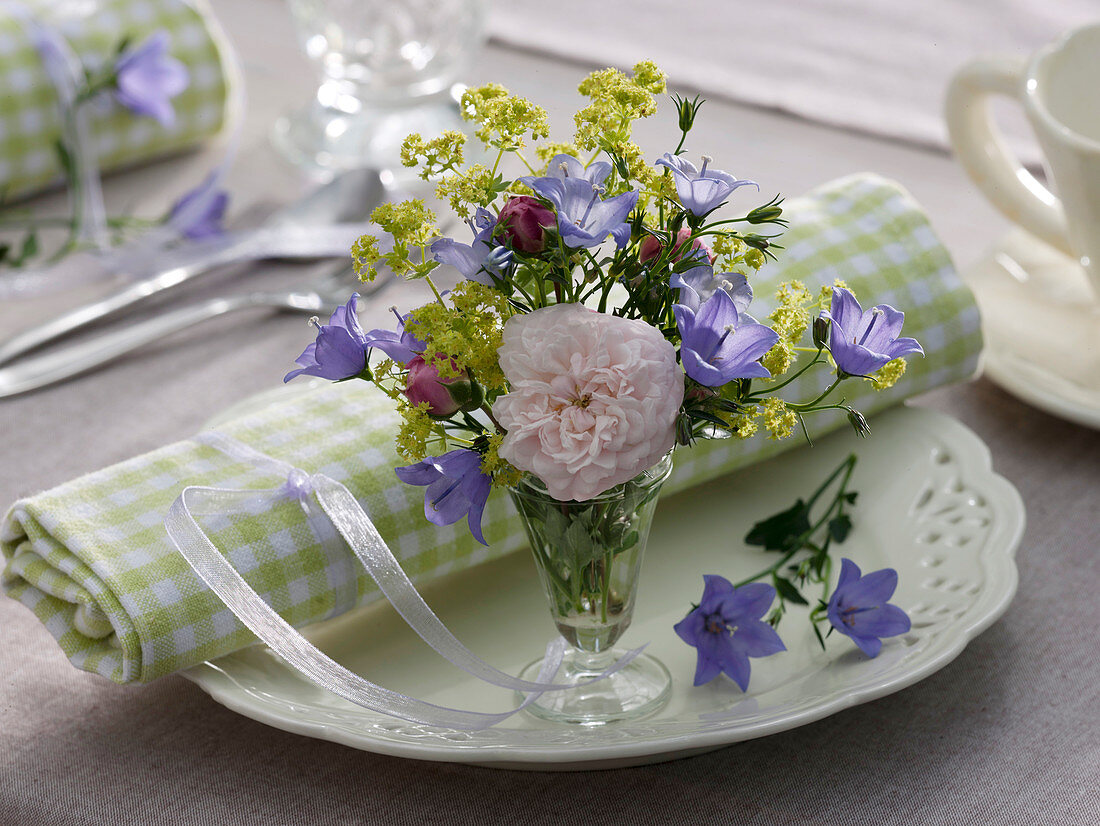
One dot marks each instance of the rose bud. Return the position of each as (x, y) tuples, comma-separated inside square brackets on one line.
[(444, 395), (650, 247), (522, 224)]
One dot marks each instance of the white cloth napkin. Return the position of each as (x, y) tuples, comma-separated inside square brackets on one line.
[(868, 65)]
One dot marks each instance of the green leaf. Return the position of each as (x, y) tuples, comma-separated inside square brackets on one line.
[(629, 542), (851, 497), (782, 530), (703, 416), (556, 522), (820, 639), (840, 526), (28, 250), (65, 158), (787, 591), (580, 543)]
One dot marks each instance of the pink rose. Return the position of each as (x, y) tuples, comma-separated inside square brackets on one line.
[(650, 247), (424, 384), (593, 400), (522, 224)]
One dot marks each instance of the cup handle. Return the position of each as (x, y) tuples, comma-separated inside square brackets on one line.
[(986, 158)]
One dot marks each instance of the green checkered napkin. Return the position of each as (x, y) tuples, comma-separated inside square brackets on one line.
[(92, 560), (30, 122)]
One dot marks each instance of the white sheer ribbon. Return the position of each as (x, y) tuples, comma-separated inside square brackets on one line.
[(353, 524)]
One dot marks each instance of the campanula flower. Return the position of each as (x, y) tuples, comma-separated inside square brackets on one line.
[(566, 166), (340, 349), (401, 346), (584, 219), (200, 212), (726, 629), (700, 190), (860, 608), (147, 78), (456, 487), (479, 261), (718, 344), (862, 341), (699, 283)]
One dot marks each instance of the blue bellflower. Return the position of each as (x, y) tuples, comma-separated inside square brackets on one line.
[(862, 341), (718, 344), (584, 219), (199, 213), (401, 346), (456, 487), (699, 283), (726, 629), (340, 349), (147, 78), (479, 261), (701, 191), (859, 607)]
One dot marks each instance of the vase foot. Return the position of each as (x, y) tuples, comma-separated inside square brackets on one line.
[(640, 688)]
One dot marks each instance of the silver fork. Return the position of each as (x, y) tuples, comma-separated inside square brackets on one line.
[(31, 373)]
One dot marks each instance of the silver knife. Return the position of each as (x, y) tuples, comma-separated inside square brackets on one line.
[(296, 231)]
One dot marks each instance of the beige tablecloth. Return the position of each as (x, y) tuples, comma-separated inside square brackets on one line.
[(1006, 734)]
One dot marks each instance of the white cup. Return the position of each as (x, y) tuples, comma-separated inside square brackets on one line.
[(1059, 89)]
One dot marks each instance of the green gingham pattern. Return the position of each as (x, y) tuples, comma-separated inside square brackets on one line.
[(92, 560), (30, 122)]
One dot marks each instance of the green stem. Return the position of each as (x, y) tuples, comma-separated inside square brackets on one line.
[(807, 406), (772, 388), (799, 543), (488, 412)]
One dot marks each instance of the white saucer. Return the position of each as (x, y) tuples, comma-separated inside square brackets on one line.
[(1042, 327)]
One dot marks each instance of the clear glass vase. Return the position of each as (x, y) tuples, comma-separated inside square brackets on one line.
[(589, 555)]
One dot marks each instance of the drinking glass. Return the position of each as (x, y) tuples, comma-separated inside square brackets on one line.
[(387, 68)]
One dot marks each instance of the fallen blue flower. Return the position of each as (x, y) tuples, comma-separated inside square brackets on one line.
[(860, 608), (726, 629)]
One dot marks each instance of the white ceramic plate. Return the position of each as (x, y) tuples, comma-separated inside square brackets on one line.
[(1042, 327), (930, 506)]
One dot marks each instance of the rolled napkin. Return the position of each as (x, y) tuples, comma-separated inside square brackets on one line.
[(30, 121), (91, 558)]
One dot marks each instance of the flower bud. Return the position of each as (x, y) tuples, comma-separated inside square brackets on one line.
[(522, 223), (765, 214), (858, 422), (683, 429), (650, 248), (821, 331), (686, 111), (757, 242), (424, 384)]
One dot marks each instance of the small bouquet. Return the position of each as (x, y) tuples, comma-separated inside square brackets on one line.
[(603, 317)]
